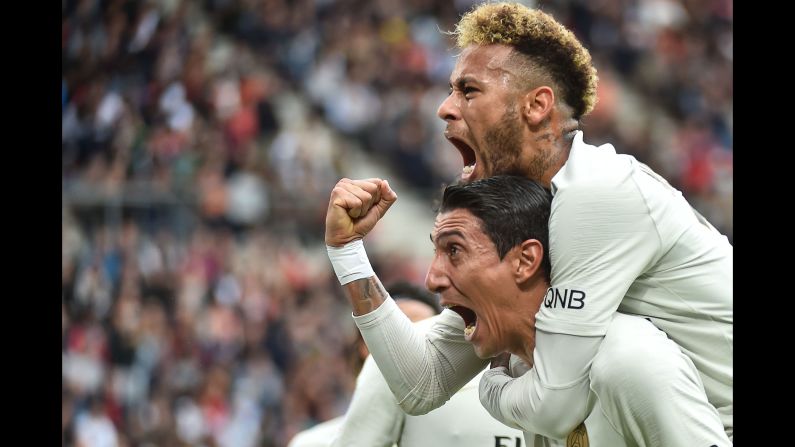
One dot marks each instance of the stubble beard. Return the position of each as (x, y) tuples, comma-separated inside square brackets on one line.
[(504, 156)]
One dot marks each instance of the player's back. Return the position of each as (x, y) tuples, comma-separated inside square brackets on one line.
[(616, 225), (686, 288), (688, 291)]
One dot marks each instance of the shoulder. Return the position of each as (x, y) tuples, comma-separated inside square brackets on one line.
[(318, 436), (591, 167)]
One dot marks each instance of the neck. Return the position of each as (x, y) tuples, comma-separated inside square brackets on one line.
[(556, 143), (525, 341)]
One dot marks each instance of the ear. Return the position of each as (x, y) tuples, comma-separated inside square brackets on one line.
[(530, 253), (537, 104)]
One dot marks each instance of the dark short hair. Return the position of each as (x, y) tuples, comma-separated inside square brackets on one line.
[(402, 290), (512, 209)]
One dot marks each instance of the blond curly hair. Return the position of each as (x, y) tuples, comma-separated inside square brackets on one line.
[(547, 48)]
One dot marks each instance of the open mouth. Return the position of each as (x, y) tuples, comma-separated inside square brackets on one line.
[(468, 155), (470, 319)]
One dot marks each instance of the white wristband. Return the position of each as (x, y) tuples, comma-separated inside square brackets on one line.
[(350, 261)]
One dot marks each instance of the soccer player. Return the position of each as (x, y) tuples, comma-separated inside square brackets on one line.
[(492, 272), (374, 418), (621, 238)]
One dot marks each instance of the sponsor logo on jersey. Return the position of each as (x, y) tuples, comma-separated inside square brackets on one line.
[(578, 437), (564, 298), (498, 441)]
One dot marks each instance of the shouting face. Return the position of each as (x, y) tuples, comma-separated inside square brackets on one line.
[(471, 279), (484, 116)]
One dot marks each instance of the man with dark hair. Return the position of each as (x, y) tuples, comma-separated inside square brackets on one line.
[(621, 238), (619, 234), (374, 418), (491, 268)]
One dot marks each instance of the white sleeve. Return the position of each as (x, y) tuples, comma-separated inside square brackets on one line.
[(552, 398), (601, 239), (374, 418), (423, 370)]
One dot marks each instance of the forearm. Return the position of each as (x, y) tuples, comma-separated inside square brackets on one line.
[(550, 399), (526, 404), (423, 370), (365, 295), (422, 373)]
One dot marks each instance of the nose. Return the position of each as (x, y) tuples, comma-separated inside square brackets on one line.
[(436, 280), (448, 109)]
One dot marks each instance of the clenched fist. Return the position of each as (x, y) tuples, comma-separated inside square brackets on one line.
[(355, 207)]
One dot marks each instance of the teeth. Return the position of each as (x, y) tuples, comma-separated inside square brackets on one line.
[(469, 330), (468, 169), (447, 306)]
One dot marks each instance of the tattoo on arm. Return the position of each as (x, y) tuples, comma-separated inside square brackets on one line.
[(365, 294)]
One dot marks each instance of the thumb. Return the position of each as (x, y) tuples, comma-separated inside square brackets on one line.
[(388, 197), (364, 224)]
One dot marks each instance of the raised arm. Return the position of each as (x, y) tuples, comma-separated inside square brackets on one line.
[(422, 370)]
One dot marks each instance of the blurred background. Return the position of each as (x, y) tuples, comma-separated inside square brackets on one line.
[(200, 143)]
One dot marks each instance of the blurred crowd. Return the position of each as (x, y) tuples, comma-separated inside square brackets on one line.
[(200, 141)]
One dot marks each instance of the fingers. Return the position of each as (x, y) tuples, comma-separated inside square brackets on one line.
[(355, 207), (367, 222), (387, 193), (358, 196), (388, 197)]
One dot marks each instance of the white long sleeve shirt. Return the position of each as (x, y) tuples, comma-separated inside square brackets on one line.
[(620, 239)]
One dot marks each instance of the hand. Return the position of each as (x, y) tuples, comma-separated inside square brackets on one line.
[(503, 359), (355, 207)]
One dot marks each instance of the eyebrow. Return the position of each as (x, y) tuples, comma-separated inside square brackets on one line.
[(447, 233), (463, 80)]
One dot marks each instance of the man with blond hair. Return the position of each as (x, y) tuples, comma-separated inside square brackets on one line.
[(494, 276), (620, 239)]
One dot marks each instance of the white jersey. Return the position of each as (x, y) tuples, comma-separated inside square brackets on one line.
[(387, 324), (621, 238), (319, 435), (596, 431), (617, 232), (462, 421), (374, 418)]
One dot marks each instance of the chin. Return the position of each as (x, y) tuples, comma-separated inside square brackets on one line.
[(484, 353)]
